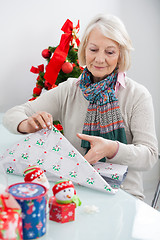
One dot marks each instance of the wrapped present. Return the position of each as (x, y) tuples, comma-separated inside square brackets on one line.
[(32, 199), (10, 217), (61, 213)]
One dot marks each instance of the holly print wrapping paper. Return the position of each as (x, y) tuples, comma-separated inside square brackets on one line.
[(50, 150), (114, 174)]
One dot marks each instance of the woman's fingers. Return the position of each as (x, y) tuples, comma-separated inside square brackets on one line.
[(92, 155), (33, 123), (85, 137), (49, 120), (36, 122), (41, 120)]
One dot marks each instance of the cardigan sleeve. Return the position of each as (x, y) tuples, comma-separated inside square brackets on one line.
[(141, 153), (48, 102)]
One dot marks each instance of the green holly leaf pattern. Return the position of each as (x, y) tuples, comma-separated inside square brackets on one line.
[(56, 167), (73, 174), (55, 129), (107, 188), (10, 170), (26, 139), (115, 176), (11, 152), (72, 154), (40, 161), (25, 155), (56, 148), (90, 180), (40, 142)]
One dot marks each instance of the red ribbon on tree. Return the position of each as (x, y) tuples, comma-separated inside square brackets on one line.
[(61, 52), (38, 69)]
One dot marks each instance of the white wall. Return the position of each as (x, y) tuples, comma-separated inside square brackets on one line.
[(29, 26)]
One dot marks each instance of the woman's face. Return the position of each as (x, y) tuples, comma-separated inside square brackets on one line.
[(101, 54)]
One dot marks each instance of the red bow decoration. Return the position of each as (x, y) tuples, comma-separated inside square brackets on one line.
[(38, 69), (61, 52)]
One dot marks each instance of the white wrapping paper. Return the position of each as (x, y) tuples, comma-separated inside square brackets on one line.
[(51, 151)]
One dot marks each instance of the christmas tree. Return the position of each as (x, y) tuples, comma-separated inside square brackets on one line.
[(62, 61)]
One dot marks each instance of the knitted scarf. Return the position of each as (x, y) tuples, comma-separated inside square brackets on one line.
[(103, 116)]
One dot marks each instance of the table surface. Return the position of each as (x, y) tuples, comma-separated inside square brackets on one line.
[(120, 216)]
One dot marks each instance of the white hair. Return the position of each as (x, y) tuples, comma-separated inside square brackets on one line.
[(111, 27)]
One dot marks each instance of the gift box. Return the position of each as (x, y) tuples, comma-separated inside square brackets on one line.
[(10, 218), (61, 212), (32, 199)]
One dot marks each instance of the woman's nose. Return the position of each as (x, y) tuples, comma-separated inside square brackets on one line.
[(100, 58)]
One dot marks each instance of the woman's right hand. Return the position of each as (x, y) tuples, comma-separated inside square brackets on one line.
[(36, 122)]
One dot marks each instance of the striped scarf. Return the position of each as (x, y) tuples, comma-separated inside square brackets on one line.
[(103, 116)]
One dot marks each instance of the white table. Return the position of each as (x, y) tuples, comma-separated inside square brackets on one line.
[(120, 216)]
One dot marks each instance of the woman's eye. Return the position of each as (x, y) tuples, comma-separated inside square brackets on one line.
[(110, 53), (93, 50)]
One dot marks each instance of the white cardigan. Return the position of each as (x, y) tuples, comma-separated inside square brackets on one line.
[(67, 104)]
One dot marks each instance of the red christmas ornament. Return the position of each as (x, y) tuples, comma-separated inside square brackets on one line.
[(37, 91), (46, 53), (67, 67), (59, 127)]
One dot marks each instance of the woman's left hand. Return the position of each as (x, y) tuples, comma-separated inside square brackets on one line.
[(100, 148)]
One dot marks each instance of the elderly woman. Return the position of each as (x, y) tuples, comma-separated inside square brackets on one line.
[(112, 114)]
